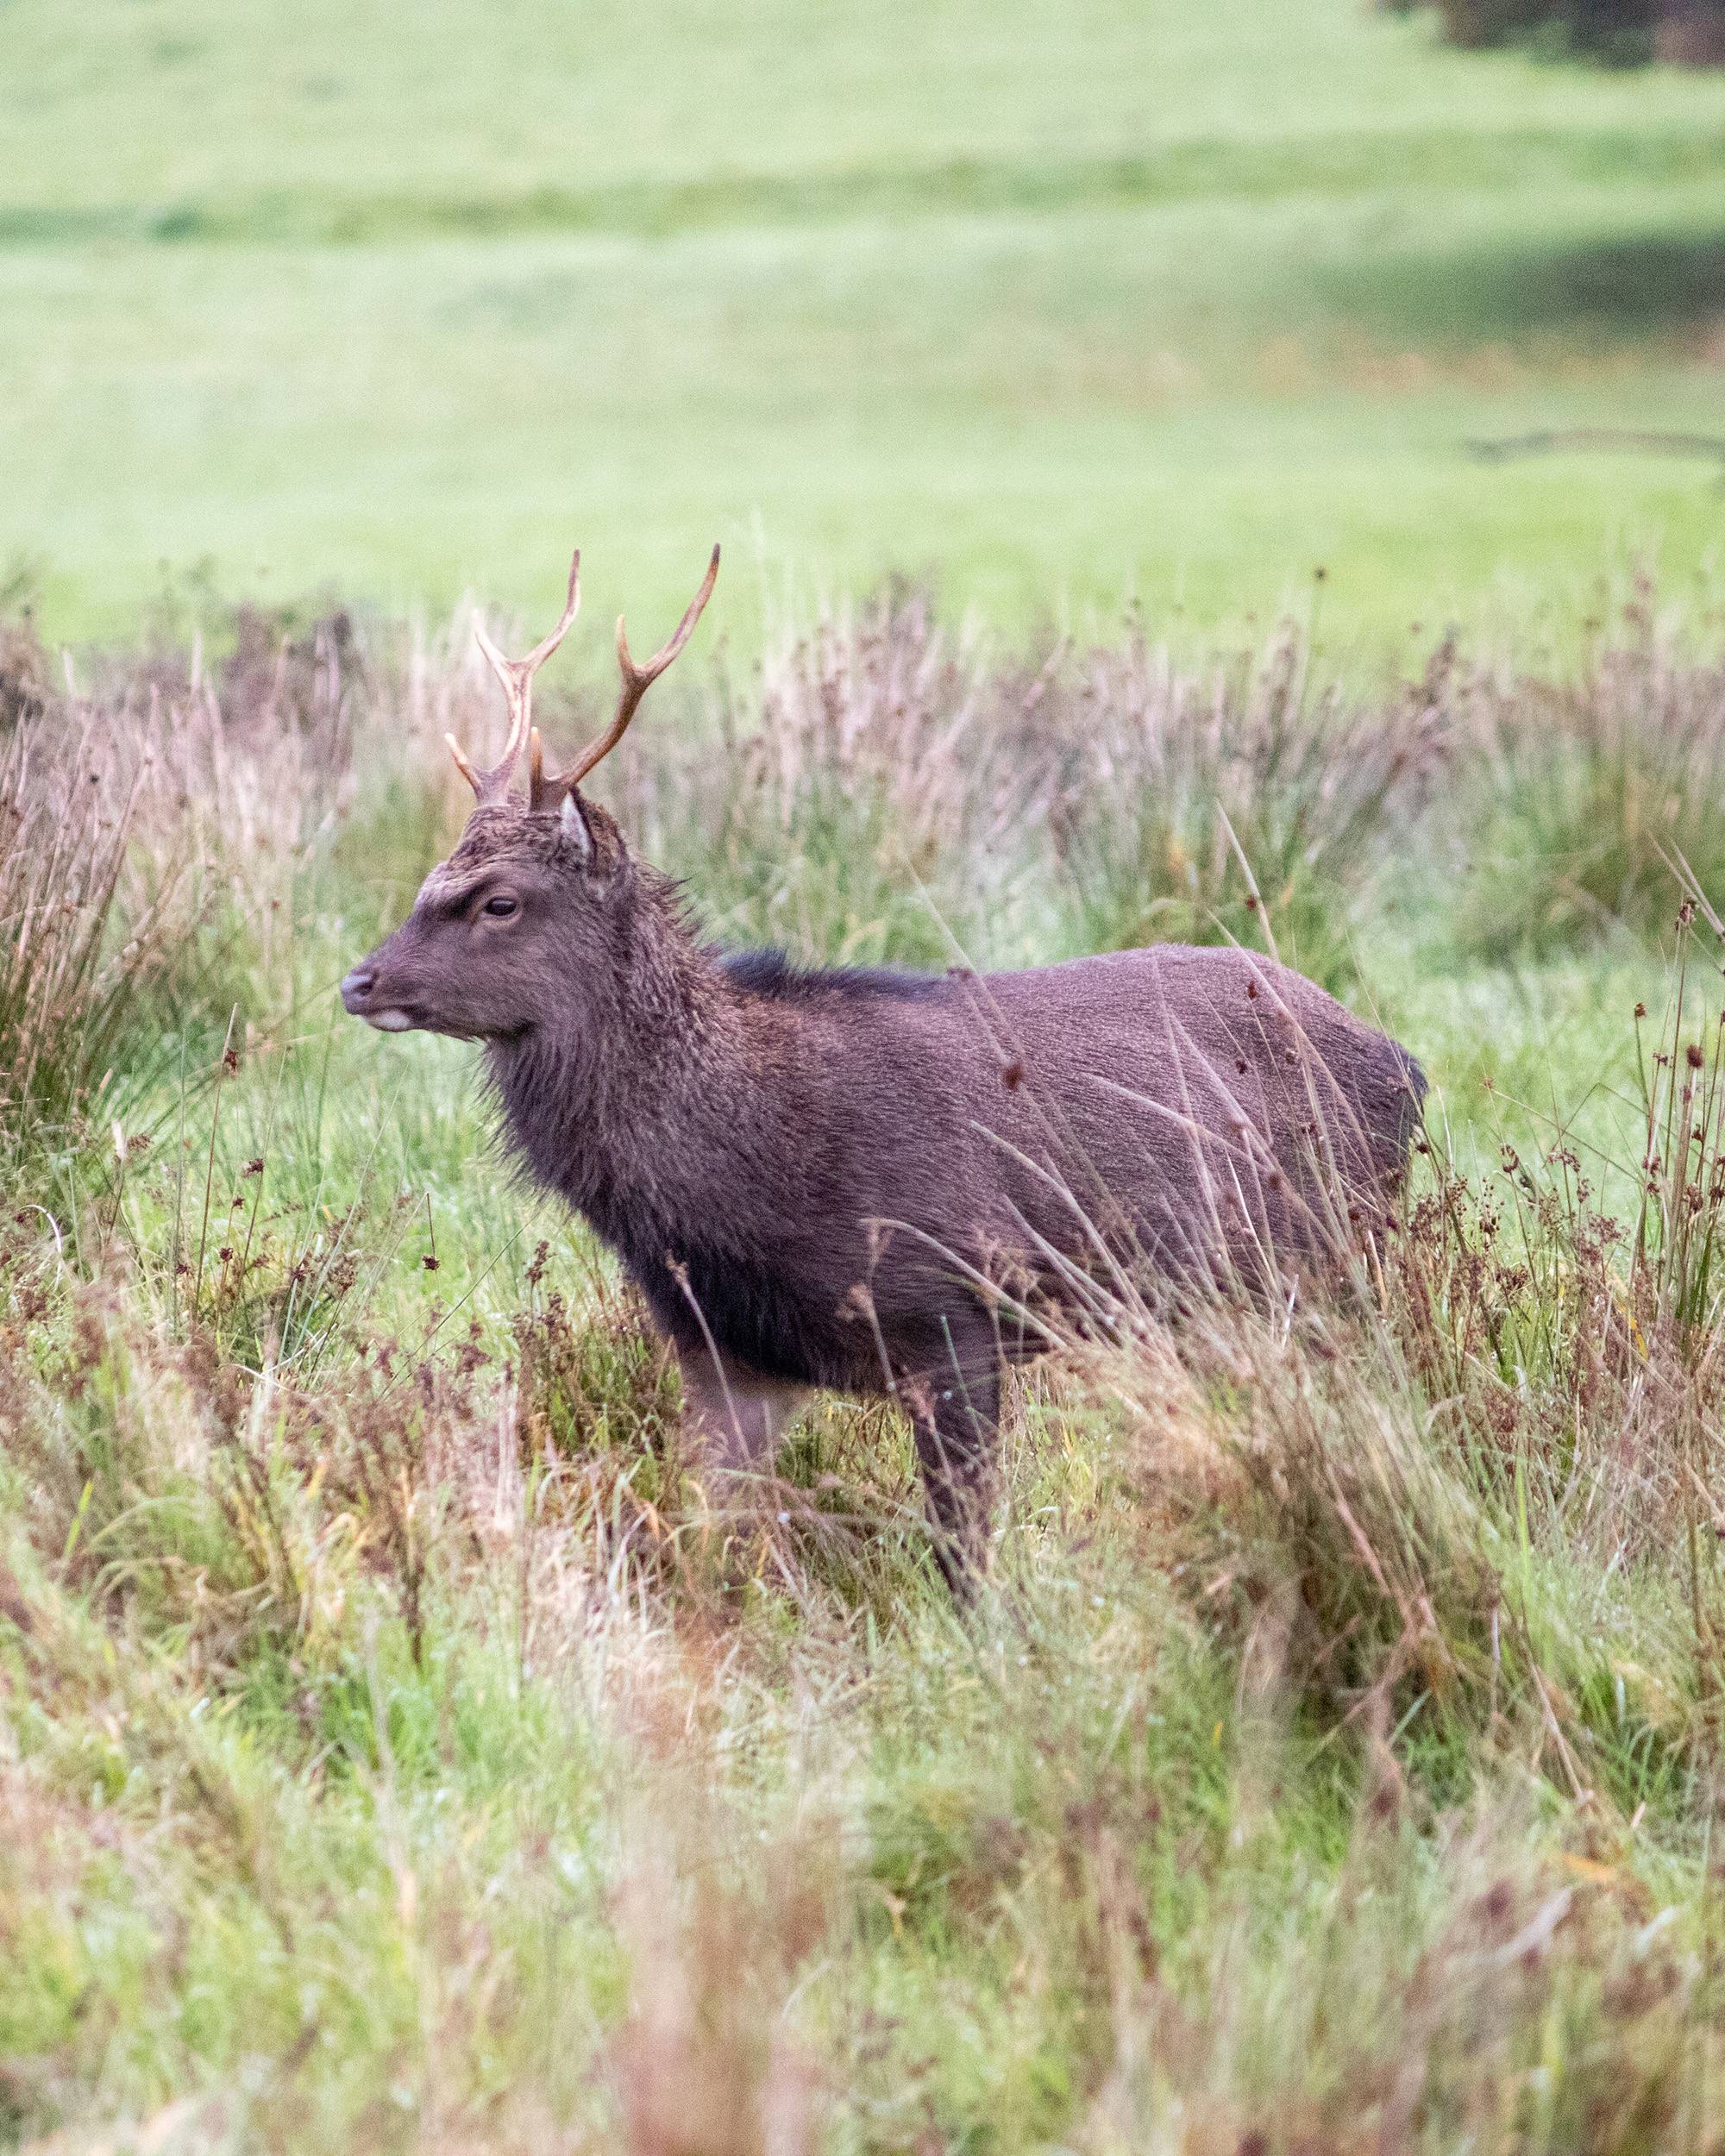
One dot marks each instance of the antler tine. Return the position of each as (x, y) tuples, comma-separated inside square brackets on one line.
[(637, 680), (516, 678)]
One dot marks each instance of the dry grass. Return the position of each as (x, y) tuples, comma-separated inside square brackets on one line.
[(76, 963), (1574, 795)]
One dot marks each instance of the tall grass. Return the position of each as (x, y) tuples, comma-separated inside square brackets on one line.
[(396, 1754), (1255, 803), (75, 959), (943, 800), (886, 790), (1573, 797)]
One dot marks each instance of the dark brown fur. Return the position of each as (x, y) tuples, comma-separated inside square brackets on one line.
[(824, 1178)]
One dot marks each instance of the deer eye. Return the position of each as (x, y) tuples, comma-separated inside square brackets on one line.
[(500, 908)]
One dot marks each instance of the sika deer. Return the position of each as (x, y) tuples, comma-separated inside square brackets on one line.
[(847, 1179)]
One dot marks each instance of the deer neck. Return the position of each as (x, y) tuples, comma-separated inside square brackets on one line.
[(635, 1106)]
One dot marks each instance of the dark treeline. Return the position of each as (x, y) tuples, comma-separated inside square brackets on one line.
[(1688, 32)]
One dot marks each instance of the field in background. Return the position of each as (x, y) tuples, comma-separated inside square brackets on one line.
[(1123, 297), (394, 1755)]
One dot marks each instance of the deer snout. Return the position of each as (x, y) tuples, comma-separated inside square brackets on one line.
[(357, 990)]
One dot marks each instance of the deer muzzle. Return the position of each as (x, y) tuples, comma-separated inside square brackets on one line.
[(357, 991)]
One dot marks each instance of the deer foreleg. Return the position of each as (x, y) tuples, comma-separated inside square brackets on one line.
[(733, 1419)]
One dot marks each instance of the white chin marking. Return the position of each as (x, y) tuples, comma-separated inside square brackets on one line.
[(390, 1021)]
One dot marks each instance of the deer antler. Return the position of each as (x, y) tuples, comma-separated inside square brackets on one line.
[(637, 680), (517, 677)]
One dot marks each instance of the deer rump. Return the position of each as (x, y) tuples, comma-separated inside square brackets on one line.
[(926, 1151)]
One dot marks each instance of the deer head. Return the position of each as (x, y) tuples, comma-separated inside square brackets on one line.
[(537, 899)]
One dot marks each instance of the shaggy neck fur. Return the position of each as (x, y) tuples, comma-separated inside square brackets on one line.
[(614, 1100)]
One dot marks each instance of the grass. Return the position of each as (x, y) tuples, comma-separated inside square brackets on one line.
[(392, 1755), (1135, 302)]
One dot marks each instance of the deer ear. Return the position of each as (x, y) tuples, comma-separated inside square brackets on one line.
[(577, 832)]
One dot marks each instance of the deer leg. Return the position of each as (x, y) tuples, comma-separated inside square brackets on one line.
[(955, 1412), (734, 1419)]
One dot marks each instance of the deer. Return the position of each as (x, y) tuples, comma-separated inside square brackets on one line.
[(881, 1183)]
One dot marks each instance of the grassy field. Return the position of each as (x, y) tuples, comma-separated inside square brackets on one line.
[(395, 1756), (1125, 298)]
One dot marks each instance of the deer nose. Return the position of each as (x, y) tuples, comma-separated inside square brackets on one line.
[(356, 989)]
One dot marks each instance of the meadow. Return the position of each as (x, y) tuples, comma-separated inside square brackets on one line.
[(1124, 300), (396, 1754)]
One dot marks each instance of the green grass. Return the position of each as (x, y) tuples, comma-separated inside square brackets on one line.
[(394, 1755), (1126, 300)]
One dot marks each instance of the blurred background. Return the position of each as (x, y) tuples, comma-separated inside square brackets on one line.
[(1075, 304)]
